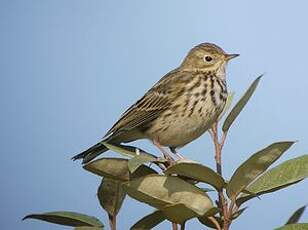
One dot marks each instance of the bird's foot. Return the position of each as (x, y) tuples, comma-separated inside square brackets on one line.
[(166, 155), (181, 157), (175, 152)]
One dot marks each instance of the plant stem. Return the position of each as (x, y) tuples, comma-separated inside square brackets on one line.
[(222, 202), (174, 226), (113, 222)]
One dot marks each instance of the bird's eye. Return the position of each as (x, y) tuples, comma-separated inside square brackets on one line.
[(207, 58)]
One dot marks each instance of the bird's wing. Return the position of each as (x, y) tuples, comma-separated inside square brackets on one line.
[(149, 107)]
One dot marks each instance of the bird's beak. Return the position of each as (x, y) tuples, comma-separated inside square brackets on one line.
[(231, 56)]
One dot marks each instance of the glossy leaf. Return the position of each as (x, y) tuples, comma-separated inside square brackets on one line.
[(111, 195), (149, 221), (116, 168), (162, 191), (137, 161), (207, 222), (243, 199), (286, 174), (178, 213), (139, 156), (296, 215), (73, 219), (252, 194), (129, 151), (240, 105), (227, 105), (294, 227), (197, 172), (255, 166), (188, 179)]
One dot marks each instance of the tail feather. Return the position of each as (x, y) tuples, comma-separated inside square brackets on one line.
[(91, 153)]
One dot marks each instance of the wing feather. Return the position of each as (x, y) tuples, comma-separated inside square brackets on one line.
[(150, 106)]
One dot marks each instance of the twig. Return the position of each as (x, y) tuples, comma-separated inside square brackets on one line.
[(214, 135), (233, 208), (218, 148), (113, 222), (222, 202), (174, 226)]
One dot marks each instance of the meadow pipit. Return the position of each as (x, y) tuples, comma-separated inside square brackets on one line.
[(179, 108)]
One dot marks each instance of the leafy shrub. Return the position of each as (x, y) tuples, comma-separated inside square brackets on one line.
[(176, 192)]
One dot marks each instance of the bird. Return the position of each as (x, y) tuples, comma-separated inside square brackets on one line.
[(178, 109)]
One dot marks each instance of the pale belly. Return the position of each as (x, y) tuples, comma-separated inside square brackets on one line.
[(191, 114), (177, 131)]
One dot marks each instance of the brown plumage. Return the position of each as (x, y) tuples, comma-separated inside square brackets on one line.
[(179, 108)]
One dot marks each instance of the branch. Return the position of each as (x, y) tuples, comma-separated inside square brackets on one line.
[(113, 222), (222, 203), (174, 226)]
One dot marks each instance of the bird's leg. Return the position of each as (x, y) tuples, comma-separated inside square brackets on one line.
[(164, 152), (174, 151)]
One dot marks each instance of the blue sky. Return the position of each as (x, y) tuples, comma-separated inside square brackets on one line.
[(69, 68)]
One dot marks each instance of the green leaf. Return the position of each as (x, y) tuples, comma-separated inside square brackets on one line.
[(162, 191), (197, 172), (73, 219), (111, 195), (286, 174), (242, 199), (178, 213), (149, 221), (116, 168), (137, 161), (139, 156), (240, 105), (129, 151), (296, 215), (294, 227), (255, 166), (227, 105), (252, 194), (188, 179), (207, 222)]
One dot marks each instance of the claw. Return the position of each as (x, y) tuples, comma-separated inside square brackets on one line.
[(164, 152)]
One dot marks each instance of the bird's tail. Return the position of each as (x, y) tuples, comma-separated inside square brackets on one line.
[(91, 153)]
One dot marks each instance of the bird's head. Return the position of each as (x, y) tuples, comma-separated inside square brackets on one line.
[(207, 57)]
